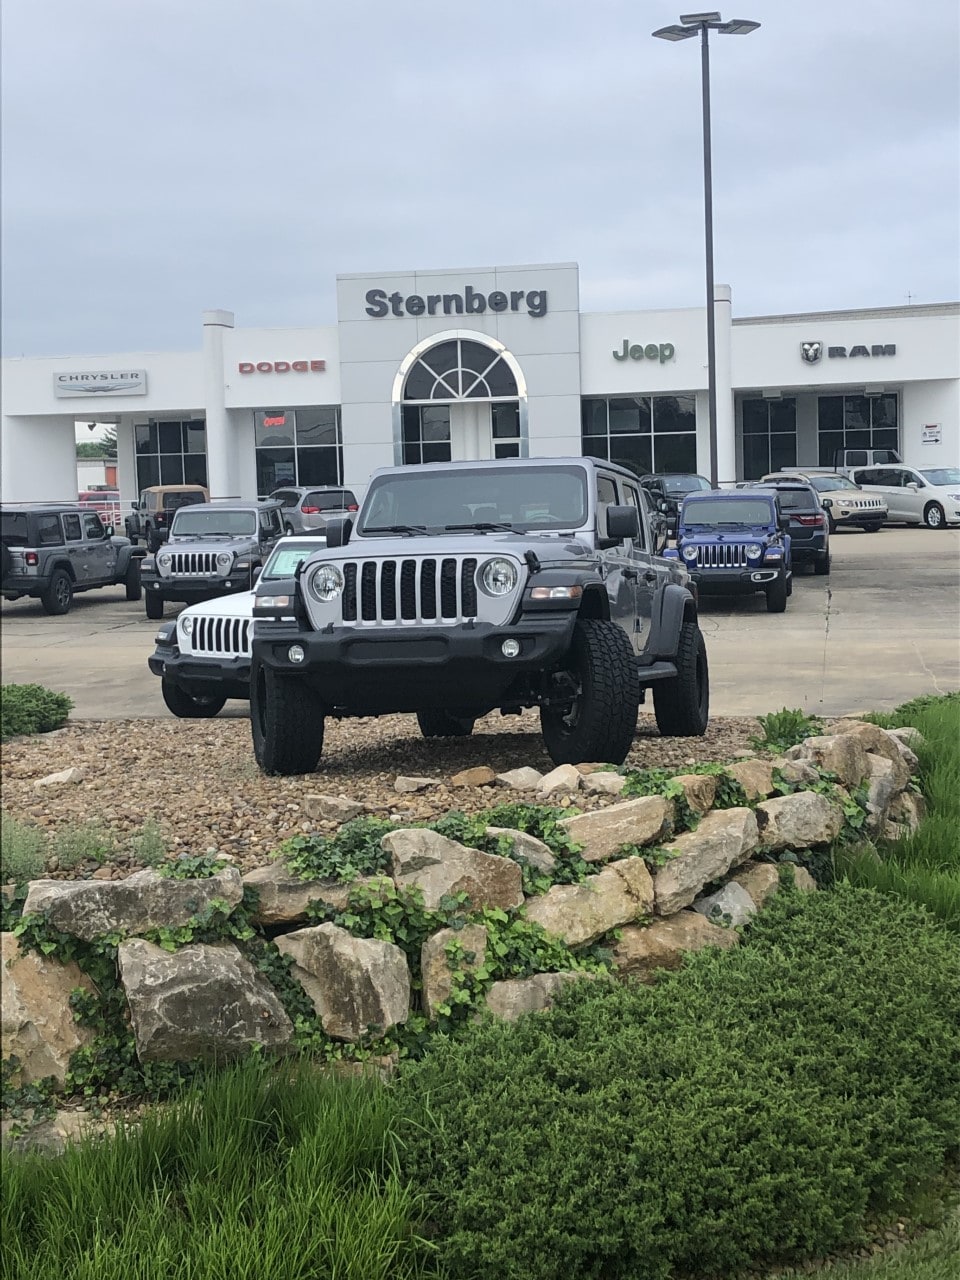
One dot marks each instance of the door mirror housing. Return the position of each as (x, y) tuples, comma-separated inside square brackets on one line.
[(338, 531), (622, 523), (912, 484), (783, 523)]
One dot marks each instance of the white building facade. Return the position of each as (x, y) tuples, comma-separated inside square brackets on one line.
[(494, 362)]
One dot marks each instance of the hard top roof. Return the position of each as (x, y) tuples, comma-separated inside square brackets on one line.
[(585, 461)]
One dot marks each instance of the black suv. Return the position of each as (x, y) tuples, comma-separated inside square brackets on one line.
[(53, 550), (809, 531), (214, 548), (670, 488), (474, 586)]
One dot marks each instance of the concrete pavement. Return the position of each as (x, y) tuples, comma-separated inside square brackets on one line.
[(882, 628)]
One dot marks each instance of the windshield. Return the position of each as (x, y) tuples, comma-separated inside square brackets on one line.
[(288, 555), (684, 484), (14, 528), (521, 498), (717, 511), (826, 484), (211, 524), (942, 475)]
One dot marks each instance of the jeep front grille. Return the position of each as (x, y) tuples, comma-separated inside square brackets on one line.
[(223, 637), (193, 562), (410, 590), (724, 555)]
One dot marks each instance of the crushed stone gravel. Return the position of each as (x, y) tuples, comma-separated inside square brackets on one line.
[(199, 782)]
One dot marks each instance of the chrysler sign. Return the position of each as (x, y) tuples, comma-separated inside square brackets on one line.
[(100, 382)]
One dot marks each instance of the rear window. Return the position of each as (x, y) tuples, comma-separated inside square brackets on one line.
[(13, 528), (289, 497), (174, 501), (326, 501), (798, 499)]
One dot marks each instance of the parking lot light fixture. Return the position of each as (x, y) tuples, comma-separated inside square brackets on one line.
[(690, 25)]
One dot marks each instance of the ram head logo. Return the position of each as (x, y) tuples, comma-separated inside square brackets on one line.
[(811, 351)]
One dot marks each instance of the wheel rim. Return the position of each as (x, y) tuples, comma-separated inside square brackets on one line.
[(570, 691), (63, 591), (934, 518)]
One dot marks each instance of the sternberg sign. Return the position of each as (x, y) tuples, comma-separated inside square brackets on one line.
[(470, 302)]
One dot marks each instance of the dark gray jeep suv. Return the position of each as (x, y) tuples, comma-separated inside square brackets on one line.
[(52, 550), (467, 587)]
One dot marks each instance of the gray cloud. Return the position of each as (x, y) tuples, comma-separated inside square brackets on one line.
[(167, 157)]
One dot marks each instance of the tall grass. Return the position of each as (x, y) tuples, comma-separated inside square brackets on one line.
[(255, 1172), (924, 867)]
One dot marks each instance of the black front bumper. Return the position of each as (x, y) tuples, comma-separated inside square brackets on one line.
[(194, 590), (730, 582), (202, 677), (377, 672)]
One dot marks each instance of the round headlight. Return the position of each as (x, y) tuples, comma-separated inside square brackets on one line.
[(185, 623), (326, 583), (754, 549), (224, 559), (689, 553), (498, 577), (165, 560)]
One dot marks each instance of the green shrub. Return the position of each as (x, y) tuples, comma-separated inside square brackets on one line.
[(30, 708), (23, 850), (149, 845), (82, 842), (755, 1105), (785, 728)]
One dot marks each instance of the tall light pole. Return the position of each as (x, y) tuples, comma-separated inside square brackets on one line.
[(704, 23)]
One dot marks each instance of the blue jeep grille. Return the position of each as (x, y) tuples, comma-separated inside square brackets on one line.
[(724, 555)]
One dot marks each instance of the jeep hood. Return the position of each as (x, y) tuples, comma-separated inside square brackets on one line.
[(548, 547)]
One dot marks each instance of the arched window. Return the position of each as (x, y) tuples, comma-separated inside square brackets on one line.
[(459, 369)]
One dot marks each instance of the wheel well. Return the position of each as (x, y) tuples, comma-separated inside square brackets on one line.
[(594, 605), (67, 568)]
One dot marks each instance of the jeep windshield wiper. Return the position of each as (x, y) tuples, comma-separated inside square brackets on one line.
[(394, 528), (481, 526)]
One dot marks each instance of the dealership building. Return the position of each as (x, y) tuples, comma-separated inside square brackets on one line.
[(494, 362)]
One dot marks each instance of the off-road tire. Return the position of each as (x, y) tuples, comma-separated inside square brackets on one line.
[(831, 522), (6, 560), (776, 595), (154, 605), (187, 706), (790, 584), (603, 719), (933, 516), (441, 724), (682, 705), (821, 566), (57, 596), (153, 541), (874, 527), (134, 539), (132, 590), (286, 719)]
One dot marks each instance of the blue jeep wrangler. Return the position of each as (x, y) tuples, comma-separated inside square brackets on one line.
[(734, 542)]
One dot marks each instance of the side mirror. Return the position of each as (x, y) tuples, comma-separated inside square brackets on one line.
[(134, 506), (784, 524), (622, 523), (108, 531), (255, 572), (163, 535), (338, 531), (912, 484)]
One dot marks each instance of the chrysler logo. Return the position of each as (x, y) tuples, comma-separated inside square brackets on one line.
[(811, 351)]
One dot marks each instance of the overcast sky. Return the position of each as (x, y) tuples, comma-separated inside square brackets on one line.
[(169, 156)]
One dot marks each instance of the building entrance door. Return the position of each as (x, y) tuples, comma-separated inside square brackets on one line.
[(471, 431)]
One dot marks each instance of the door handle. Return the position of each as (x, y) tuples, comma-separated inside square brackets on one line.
[(650, 576), (630, 574)]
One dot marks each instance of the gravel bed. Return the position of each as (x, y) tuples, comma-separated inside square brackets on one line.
[(199, 782)]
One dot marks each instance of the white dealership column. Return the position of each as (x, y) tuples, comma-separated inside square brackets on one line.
[(222, 478), (726, 421)]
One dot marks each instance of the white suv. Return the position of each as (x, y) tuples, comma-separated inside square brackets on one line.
[(930, 496)]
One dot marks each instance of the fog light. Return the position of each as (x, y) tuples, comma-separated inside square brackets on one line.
[(510, 648), (296, 653)]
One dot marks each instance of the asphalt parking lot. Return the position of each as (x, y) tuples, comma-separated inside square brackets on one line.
[(882, 628)]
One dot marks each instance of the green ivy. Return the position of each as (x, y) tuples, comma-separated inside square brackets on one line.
[(200, 866), (32, 1102), (354, 851)]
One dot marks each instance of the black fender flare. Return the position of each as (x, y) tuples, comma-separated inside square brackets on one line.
[(54, 565), (673, 605)]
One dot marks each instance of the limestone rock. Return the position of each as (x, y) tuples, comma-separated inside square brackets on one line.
[(435, 963), (65, 778), (203, 1001), (145, 900), (640, 952), (755, 776), (906, 812), (730, 906), (604, 832), (724, 839), (760, 879), (877, 741), (700, 790), (566, 777), (581, 913), (480, 776), (520, 779), (36, 1021), (437, 866), (799, 772), (882, 783), (514, 997), (409, 784), (840, 753), (801, 820), (52, 1137), (359, 986), (603, 783), (283, 898), (332, 808), (803, 880), (527, 846)]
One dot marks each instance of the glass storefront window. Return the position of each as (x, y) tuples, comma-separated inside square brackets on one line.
[(769, 436), (426, 433), (171, 451), (298, 446), (856, 422), (643, 433), (672, 414)]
